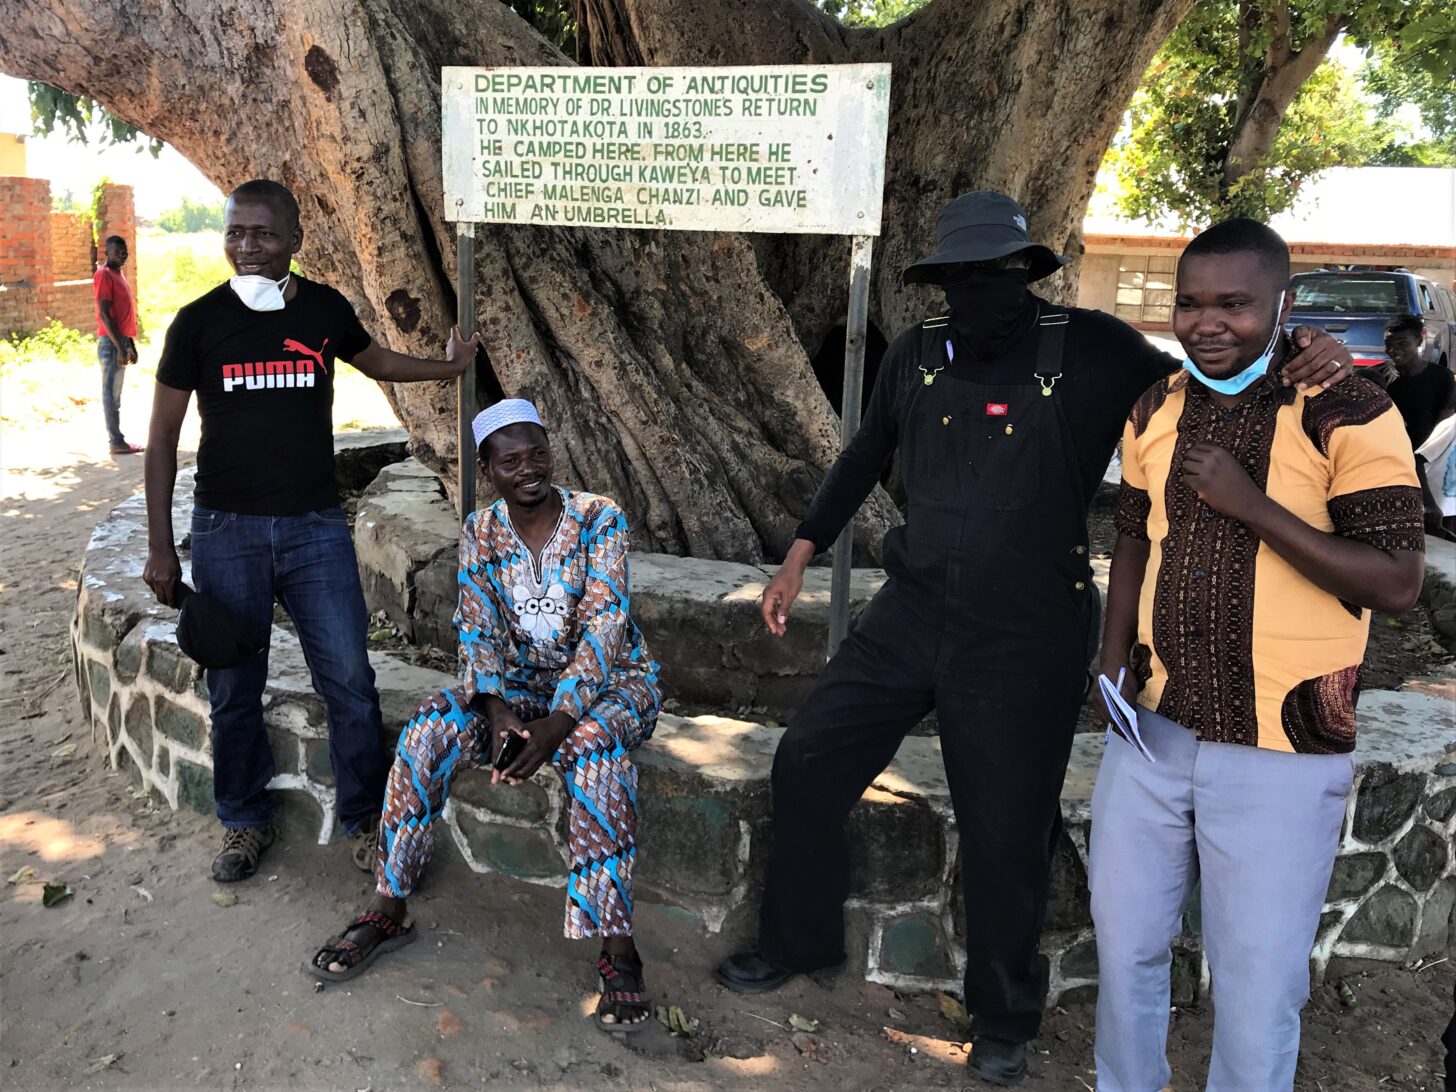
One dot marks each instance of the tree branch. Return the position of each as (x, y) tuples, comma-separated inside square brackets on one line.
[(1286, 70)]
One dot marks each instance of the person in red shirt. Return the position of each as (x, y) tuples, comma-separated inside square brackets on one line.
[(116, 331)]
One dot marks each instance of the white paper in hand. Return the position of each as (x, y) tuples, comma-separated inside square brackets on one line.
[(1124, 716)]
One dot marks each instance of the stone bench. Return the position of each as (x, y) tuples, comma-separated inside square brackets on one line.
[(701, 617), (704, 789)]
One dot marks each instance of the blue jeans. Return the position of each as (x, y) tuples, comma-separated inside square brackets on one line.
[(113, 373), (307, 563)]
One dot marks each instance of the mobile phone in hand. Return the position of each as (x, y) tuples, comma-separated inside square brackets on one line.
[(510, 749)]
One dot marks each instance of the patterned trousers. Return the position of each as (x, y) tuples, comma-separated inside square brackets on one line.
[(444, 737)]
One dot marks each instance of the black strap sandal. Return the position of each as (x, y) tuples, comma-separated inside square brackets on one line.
[(356, 957), (623, 994)]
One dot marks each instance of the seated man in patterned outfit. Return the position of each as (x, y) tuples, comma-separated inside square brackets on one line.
[(550, 655)]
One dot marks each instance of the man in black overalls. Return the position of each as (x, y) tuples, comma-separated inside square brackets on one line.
[(1006, 413)]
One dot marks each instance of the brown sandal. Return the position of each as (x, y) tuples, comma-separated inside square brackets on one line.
[(355, 957), (364, 846)]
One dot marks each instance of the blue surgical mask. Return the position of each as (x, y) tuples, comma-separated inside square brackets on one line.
[(1242, 380)]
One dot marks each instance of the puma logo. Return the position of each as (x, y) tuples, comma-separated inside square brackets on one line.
[(298, 347), (272, 374)]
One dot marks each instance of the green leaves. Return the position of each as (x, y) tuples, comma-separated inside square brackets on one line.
[(1418, 106), (870, 13), (53, 894), (190, 216), (80, 118), (1169, 160)]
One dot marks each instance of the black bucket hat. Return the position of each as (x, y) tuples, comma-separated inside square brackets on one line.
[(979, 227), (210, 634)]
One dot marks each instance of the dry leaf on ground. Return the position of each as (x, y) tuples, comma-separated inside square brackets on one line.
[(954, 1011)]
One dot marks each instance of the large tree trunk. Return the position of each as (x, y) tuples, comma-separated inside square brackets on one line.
[(1021, 96), (671, 366)]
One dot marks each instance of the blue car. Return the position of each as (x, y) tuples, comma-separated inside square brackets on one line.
[(1353, 306)]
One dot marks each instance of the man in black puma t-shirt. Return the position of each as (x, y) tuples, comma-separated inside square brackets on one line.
[(260, 353), (264, 385)]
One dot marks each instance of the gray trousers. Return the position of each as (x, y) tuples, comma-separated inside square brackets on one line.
[(1261, 829)]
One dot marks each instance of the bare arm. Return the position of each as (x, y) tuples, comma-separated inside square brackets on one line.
[(163, 571), (780, 592), (1125, 581), (387, 366), (1124, 591), (1388, 580)]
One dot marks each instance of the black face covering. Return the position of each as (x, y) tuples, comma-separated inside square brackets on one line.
[(989, 308)]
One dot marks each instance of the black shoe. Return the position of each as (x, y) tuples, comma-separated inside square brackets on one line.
[(750, 972), (998, 1062)]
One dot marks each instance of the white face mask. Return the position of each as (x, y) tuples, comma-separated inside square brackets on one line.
[(260, 293)]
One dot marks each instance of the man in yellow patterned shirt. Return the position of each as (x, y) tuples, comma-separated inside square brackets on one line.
[(1258, 526)]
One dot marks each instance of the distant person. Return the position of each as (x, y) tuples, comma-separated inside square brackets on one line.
[(1258, 527), (551, 663), (260, 352), (116, 332), (1424, 393)]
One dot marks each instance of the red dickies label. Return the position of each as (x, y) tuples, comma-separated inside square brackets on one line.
[(997, 409)]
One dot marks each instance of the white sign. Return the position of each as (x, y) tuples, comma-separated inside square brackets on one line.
[(785, 148)]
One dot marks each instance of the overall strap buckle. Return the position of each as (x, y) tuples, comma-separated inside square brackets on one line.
[(1051, 331)]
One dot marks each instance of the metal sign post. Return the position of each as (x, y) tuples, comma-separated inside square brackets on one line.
[(465, 384), (861, 248)]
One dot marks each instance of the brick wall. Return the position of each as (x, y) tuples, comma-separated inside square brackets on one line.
[(25, 233), (19, 309), (46, 259), (73, 305), (72, 251)]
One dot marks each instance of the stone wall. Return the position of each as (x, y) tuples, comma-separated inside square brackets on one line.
[(701, 617), (704, 790)]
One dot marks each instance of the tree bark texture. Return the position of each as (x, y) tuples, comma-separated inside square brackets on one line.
[(1021, 96), (672, 367)]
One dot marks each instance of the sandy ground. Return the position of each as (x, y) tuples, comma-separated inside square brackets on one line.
[(141, 981)]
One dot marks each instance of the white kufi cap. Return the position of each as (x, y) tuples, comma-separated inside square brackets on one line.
[(508, 411)]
